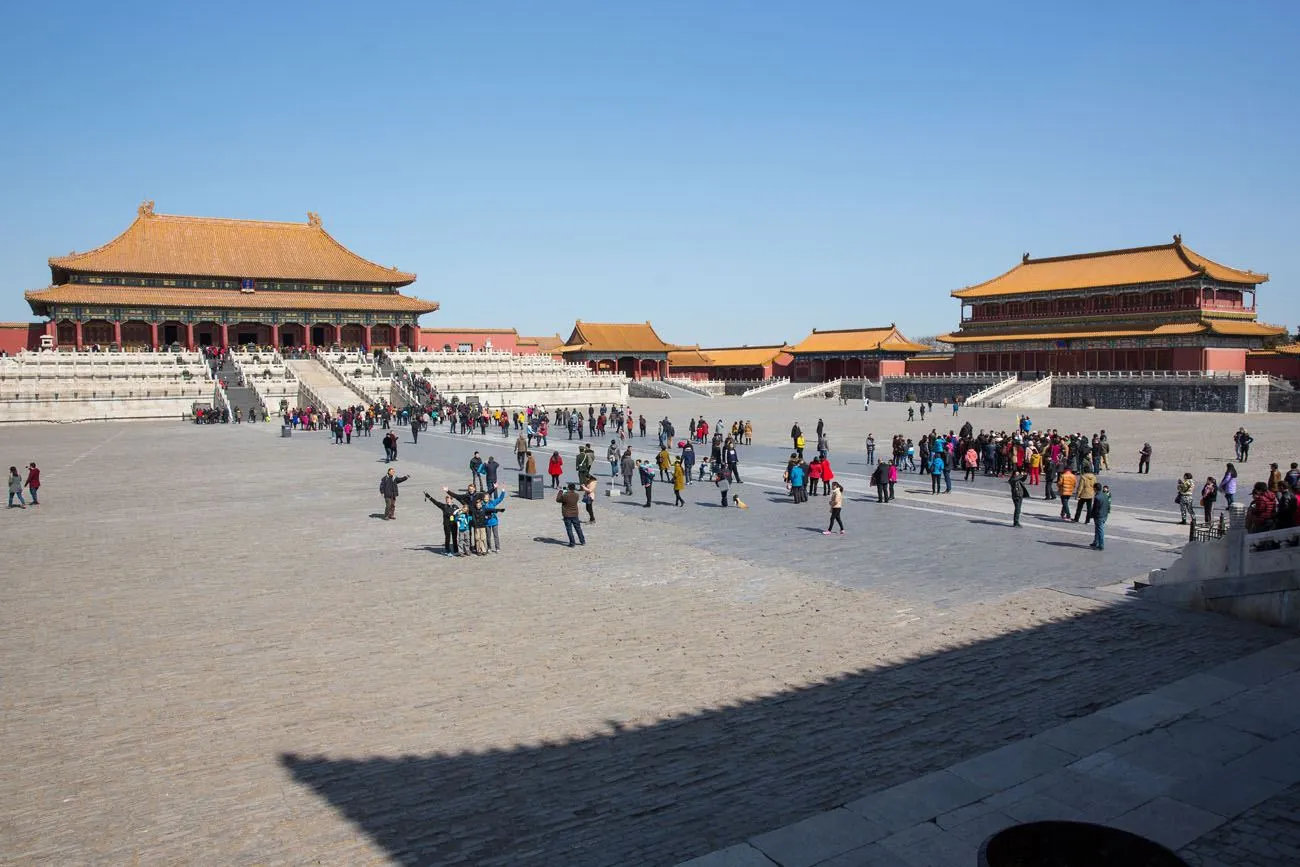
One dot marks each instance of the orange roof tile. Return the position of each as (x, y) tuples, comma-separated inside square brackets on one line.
[(544, 344), (689, 357), (166, 244), (614, 337), (1214, 326), (1160, 264), (139, 296), (1285, 349), (888, 339), (744, 356)]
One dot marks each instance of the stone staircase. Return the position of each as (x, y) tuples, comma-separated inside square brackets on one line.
[(1034, 394), (995, 392), (238, 393), (677, 389), (324, 385)]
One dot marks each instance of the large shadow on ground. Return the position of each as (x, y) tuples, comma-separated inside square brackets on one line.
[(685, 786)]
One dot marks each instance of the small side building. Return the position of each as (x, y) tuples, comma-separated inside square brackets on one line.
[(853, 353), (630, 348)]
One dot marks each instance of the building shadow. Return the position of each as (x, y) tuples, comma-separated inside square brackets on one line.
[(689, 784)]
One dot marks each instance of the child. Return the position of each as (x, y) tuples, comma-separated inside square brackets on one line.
[(704, 469)]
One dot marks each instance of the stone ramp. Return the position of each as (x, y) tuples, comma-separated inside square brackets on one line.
[(323, 384)]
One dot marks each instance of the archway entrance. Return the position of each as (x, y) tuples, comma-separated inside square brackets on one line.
[(381, 335), (97, 331), (292, 335), (136, 334), (649, 369), (251, 334), (206, 334), (66, 333), (408, 336), (173, 332), (627, 365), (353, 336)]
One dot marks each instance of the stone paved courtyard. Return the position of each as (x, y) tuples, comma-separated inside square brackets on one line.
[(214, 653)]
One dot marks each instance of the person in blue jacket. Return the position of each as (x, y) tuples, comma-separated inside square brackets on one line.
[(937, 464), (796, 483), (496, 496)]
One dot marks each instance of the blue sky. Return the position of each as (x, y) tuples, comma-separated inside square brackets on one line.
[(734, 172)]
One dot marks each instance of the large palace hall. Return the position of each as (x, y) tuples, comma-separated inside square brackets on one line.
[(201, 281)]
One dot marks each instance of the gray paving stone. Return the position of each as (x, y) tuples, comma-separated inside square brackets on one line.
[(1123, 773), (1254, 670), (740, 855), (1088, 734), (1041, 808), (1168, 822), (874, 855), (1227, 791), (1215, 741), (1147, 710), (926, 845), (1279, 760), (917, 800), (817, 838), (1012, 764), (1097, 798), (1200, 690)]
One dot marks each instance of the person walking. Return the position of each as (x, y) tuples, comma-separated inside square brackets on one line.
[(569, 499), (1100, 513), (880, 478), (1018, 494), (34, 481), (732, 459), (1144, 459), (936, 472), (837, 505), (390, 446), (521, 449), (589, 497), (679, 482), (1209, 493), (1066, 483), (1229, 485), (1184, 499), (628, 467), (1087, 493), (555, 469), (16, 488), (612, 455), (388, 488), (415, 428)]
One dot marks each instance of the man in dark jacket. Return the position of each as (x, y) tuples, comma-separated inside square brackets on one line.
[(448, 509), (474, 464), (415, 427), (490, 472), (795, 433), (388, 488), (647, 480), (569, 498), (628, 467), (1018, 494), (1100, 512)]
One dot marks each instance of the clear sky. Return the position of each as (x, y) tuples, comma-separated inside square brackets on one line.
[(736, 172)]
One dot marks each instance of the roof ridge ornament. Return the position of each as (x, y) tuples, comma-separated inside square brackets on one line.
[(313, 219), (1178, 239), (1024, 260), (145, 209)]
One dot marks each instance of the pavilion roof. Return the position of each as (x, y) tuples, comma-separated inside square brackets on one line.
[(689, 356), (744, 356), (615, 337), (167, 244), (141, 296), (1160, 264), (1285, 349), (887, 339), (544, 343), (1227, 327)]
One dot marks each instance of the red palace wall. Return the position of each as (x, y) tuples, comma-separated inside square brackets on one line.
[(502, 341), (1283, 364), (17, 336), (1219, 360)]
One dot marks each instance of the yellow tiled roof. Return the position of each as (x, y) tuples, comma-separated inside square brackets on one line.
[(888, 339), (166, 244), (1210, 326), (614, 337), (1160, 264), (544, 344), (744, 356), (1285, 349), (689, 357), (140, 296)]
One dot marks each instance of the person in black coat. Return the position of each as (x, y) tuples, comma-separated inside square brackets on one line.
[(388, 488)]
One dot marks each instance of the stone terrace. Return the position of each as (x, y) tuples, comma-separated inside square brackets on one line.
[(215, 654)]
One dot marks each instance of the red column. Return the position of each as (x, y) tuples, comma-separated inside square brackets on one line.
[(52, 331), (368, 343), (189, 336), (153, 335), (117, 332), (78, 334), (338, 335), (225, 335), (275, 336)]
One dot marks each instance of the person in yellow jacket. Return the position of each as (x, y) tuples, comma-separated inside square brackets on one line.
[(679, 482), (1066, 483), (1087, 491), (665, 463), (799, 443)]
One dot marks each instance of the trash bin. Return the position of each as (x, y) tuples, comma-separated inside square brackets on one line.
[(285, 431), (1058, 844), (531, 487)]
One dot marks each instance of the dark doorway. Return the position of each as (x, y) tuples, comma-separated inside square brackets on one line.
[(288, 339), (247, 338), (317, 335), (171, 334), (205, 339)]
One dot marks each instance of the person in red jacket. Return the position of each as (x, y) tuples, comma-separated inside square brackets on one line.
[(33, 481), (814, 475), (828, 476), (556, 469)]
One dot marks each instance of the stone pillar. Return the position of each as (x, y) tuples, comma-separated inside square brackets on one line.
[(78, 333), (1238, 544), (275, 336), (153, 335), (117, 332)]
